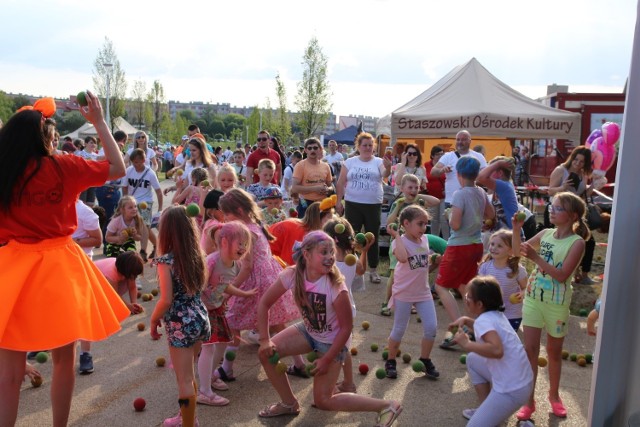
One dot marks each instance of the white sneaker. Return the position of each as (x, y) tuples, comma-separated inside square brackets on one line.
[(468, 413), (138, 284), (252, 337)]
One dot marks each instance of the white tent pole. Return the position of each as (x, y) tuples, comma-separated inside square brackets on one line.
[(615, 386)]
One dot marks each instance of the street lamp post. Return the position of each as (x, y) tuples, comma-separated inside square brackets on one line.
[(108, 67)]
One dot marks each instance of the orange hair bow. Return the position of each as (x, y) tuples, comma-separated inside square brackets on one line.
[(47, 106), (328, 203)]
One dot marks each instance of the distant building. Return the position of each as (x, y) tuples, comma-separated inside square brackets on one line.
[(368, 122)]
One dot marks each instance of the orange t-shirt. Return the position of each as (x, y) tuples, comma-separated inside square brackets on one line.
[(309, 175), (287, 232), (46, 208)]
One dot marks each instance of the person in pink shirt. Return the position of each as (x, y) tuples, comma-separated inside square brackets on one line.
[(323, 299), (411, 287)]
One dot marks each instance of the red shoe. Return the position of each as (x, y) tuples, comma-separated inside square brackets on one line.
[(525, 412), (558, 409)]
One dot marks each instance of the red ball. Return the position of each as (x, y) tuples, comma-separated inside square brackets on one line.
[(363, 368), (139, 404), (293, 214)]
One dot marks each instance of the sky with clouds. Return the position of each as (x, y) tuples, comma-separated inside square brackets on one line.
[(381, 53)]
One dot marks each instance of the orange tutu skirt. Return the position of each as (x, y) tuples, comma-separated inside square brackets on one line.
[(51, 294)]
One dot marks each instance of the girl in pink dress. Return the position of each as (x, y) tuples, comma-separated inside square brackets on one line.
[(258, 270)]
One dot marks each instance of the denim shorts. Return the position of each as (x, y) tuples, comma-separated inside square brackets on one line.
[(318, 346)]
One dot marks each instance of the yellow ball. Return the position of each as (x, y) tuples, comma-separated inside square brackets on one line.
[(365, 325), (143, 205), (350, 260), (160, 361), (542, 362)]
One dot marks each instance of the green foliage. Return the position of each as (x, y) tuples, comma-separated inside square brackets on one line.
[(69, 121), (115, 76), (254, 124), (158, 105), (314, 95), (6, 107), (20, 101), (282, 121), (188, 116), (142, 114)]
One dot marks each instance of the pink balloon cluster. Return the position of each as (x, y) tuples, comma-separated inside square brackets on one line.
[(601, 142)]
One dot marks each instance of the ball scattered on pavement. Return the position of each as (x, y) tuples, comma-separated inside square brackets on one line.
[(381, 373), (139, 404), (42, 357), (160, 362)]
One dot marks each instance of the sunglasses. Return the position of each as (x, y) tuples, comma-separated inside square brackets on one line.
[(140, 137), (313, 148), (263, 139), (412, 153)]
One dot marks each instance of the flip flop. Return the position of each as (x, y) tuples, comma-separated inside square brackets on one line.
[(393, 412)]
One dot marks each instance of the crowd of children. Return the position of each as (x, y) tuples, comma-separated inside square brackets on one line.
[(218, 276)]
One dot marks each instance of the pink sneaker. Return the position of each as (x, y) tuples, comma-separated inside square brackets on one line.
[(218, 384), (176, 421), (214, 400), (525, 412)]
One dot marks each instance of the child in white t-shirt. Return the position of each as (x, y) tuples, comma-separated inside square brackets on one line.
[(497, 363), (323, 300), (411, 287)]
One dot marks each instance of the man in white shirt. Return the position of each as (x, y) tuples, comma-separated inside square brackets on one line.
[(334, 159), (447, 164)]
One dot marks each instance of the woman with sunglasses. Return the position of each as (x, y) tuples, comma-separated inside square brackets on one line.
[(410, 162), (141, 141)]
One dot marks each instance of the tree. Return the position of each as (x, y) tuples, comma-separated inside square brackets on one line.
[(253, 122), (70, 121), (116, 77), (156, 98), (6, 107), (314, 96), (188, 116), (234, 121), (141, 109), (282, 123)]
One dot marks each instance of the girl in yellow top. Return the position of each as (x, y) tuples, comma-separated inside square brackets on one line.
[(556, 253)]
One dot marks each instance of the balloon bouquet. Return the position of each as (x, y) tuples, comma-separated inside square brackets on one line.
[(602, 142)]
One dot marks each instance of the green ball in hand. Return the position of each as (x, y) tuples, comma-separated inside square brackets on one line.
[(193, 210), (274, 358), (81, 98)]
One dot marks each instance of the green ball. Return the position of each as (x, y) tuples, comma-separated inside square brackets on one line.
[(385, 355), (406, 358), (394, 226), (274, 358), (381, 373), (42, 357), (583, 312), (339, 228), (463, 359), (360, 238), (588, 357), (312, 356), (230, 356), (573, 357), (374, 347), (418, 366), (193, 210), (81, 98), (309, 368)]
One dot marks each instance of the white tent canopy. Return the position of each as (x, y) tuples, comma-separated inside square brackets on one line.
[(470, 97), (88, 129)]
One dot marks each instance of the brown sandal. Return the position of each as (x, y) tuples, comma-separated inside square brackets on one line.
[(278, 409)]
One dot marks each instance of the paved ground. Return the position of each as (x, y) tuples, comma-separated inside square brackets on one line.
[(125, 369)]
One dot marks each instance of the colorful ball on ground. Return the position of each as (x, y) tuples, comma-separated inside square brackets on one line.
[(588, 357), (381, 373), (406, 358), (354, 351), (36, 382), (573, 357), (385, 355), (582, 362), (160, 362), (542, 362), (42, 357), (141, 326), (363, 369), (374, 347), (193, 210), (230, 356), (565, 354), (154, 292), (463, 359), (418, 366), (139, 404), (365, 325)]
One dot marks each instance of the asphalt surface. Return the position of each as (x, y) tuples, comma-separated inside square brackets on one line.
[(125, 369)]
